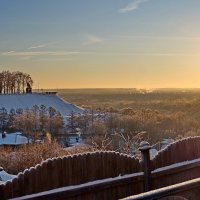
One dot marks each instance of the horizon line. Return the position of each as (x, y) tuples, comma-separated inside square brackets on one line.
[(86, 88)]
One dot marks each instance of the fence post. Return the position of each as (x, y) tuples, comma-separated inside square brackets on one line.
[(144, 148)]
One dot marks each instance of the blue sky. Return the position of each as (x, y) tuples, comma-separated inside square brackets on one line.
[(102, 43)]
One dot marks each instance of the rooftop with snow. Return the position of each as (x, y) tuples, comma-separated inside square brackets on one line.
[(49, 99), (12, 139)]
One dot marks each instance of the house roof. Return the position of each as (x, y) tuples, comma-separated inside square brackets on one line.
[(24, 101), (13, 139)]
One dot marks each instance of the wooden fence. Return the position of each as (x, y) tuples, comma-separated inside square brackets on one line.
[(127, 185), (161, 171), (70, 170), (182, 159), (111, 189), (182, 150), (189, 190)]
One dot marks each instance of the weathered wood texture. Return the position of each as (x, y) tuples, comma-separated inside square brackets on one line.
[(70, 170), (189, 190), (182, 150), (183, 157), (120, 187), (112, 189), (175, 174)]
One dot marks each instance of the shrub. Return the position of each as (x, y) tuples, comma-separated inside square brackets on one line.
[(30, 155)]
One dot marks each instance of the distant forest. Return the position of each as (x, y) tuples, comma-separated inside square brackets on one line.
[(14, 82)]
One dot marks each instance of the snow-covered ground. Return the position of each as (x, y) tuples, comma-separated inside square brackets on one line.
[(24, 101), (4, 176)]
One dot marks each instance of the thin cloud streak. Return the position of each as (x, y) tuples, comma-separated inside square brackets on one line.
[(144, 54), (157, 37), (42, 45), (38, 46), (92, 39), (28, 55), (134, 5), (53, 59), (39, 53)]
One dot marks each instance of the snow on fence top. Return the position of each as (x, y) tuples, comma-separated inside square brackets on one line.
[(70, 170), (179, 151), (4, 177), (29, 100)]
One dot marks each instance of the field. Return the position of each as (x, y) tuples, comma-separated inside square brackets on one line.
[(164, 100)]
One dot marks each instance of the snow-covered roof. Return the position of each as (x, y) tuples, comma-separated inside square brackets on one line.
[(4, 176), (13, 139), (24, 101)]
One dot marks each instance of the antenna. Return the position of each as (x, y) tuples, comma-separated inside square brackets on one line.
[(38, 87)]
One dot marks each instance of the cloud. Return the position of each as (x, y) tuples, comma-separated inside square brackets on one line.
[(52, 59), (39, 53), (155, 54), (148, 37), (134, 5), (42, 45), (91, 39), (38, 46), (23, 55)]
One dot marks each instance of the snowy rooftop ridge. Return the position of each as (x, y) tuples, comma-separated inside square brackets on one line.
[(12, 139), (25, 101)]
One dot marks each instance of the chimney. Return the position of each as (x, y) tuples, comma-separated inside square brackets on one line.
[(3, 135)]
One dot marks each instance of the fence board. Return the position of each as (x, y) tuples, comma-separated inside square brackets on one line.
[(70, 170), (182, 150)]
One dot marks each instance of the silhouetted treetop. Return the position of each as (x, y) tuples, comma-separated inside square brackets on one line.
[(14, 82)]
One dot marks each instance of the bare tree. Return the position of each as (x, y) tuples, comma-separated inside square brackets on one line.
[(12, 82)]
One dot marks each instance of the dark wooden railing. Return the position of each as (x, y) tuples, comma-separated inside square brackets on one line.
[(179, 151), (189, 190), (120, 187), (113, 188)]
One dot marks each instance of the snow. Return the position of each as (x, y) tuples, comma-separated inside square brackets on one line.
[(81, 186), (176, 165), (4, 176), (24, 101), (165, 143), (153, 153), (73, 140), (13, 139), (75, 146)]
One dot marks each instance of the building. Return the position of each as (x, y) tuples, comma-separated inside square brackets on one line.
[(12, 139), (49, 99)]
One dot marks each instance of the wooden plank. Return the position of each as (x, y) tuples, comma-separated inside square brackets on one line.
[(3, 192), (106, 185)]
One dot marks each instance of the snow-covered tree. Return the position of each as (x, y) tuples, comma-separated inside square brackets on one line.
[(3, 119), (37, 121)]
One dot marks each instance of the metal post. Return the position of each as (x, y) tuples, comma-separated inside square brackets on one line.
[(144, 148)]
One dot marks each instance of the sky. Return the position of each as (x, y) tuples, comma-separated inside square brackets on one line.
[(102, 43)]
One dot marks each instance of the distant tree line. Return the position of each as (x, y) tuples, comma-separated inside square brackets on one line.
[(14, 82), (119, 130)]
